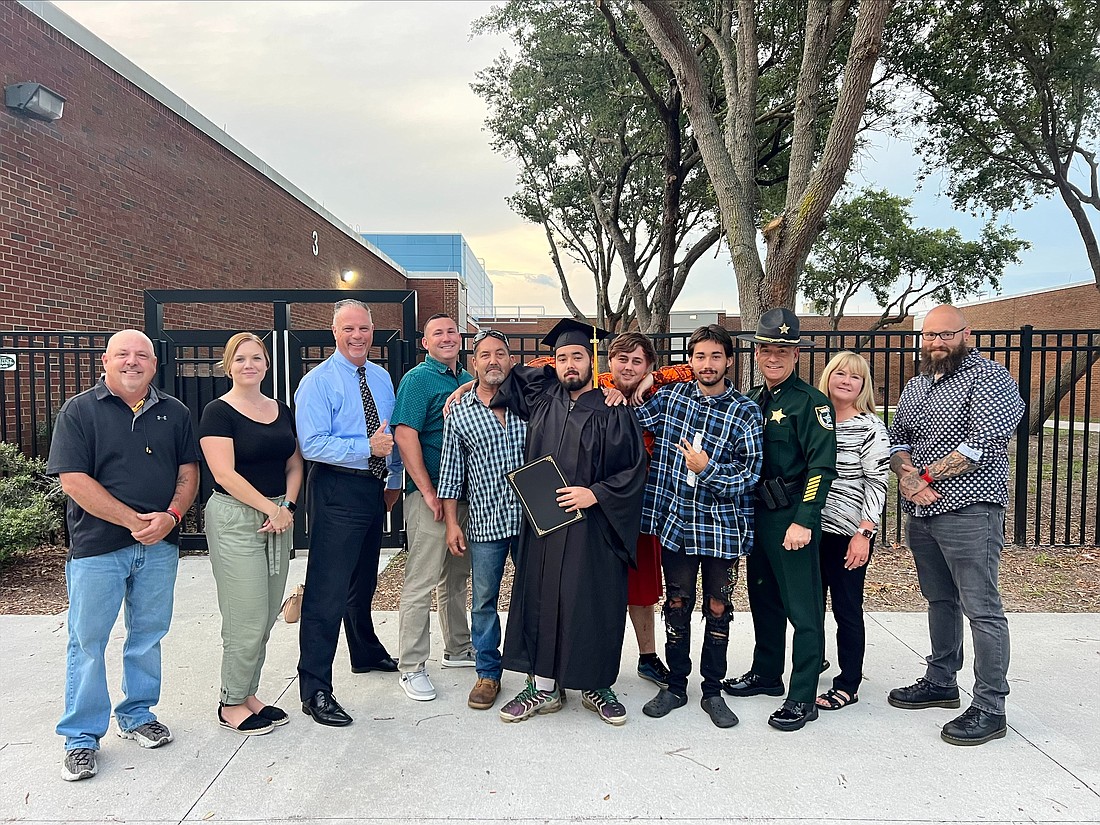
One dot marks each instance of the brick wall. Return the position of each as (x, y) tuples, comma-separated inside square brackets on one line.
[(122, 195)]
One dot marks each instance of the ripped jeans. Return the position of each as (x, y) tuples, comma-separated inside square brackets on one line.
[(681, 575)]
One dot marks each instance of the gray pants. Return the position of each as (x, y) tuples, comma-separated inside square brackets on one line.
[(958, 556), (250, 571)]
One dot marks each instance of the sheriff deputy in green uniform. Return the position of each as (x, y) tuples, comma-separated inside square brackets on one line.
[(784, 579)]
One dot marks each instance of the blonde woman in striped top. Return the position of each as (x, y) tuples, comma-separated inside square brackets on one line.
[(850, 517)]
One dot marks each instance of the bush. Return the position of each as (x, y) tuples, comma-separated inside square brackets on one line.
[(31, 503)]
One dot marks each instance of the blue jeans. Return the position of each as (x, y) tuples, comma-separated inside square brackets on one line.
[(487, 567), (143, 578), (958, 556)]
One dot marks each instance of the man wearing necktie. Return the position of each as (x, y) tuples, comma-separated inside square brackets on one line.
[(343, 407)]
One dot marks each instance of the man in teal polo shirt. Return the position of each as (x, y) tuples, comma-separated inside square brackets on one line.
[(418, 432)]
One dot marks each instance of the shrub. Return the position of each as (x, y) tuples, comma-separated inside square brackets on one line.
[(31, 503)]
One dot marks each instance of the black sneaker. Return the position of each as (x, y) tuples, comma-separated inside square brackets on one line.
[(924, 694), (655, 672), (79, 764), (975, 727), (793, 715), (752, 684)]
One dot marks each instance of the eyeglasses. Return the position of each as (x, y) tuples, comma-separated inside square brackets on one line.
[(943, 336), (490, 333)]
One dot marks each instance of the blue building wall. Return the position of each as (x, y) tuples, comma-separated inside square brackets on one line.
[(441, 253)]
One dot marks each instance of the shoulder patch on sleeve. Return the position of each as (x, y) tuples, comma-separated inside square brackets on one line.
[(824, 416)]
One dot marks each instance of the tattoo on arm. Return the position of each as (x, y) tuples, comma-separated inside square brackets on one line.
[(899, 461), (951, 465), (911, 483)]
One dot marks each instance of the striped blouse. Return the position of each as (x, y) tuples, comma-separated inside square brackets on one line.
[(862, 468)]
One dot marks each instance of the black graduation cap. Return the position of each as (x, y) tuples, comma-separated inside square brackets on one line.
[(567, 332)]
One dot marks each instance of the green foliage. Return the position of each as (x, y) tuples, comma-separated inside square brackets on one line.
[(870, 242), (1008, 99), (30, 502)]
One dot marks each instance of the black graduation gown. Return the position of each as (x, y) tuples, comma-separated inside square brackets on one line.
[(568, 609)]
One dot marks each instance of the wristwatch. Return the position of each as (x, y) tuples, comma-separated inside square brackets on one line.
[(867, 534), (290, 505)]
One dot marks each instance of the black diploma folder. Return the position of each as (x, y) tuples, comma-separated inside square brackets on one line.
[(536, 484)]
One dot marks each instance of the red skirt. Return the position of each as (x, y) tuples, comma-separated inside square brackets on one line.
[(644, 586)]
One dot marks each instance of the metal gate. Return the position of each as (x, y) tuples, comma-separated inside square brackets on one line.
[(188, 360)]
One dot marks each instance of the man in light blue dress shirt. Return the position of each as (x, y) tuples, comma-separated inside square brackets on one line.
[(355, 479)]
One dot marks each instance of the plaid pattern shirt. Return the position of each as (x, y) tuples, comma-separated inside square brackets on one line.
[(715, 516), (477, 452)]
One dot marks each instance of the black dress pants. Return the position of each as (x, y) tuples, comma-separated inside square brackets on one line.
[(845, 587), (346, 515)]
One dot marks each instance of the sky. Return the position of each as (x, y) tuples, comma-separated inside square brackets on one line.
[(367, 107)]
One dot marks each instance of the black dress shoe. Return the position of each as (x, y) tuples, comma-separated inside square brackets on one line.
[(793, 715), (663, 704), (975, 727), (753, 685), (718, 711), (924, 694), (387, 664), (325, 710)]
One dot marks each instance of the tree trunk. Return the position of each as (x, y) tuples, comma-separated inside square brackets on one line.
[(1069, 373)]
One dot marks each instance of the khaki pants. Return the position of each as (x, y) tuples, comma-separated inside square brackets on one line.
[(249, 594), (429, 565)]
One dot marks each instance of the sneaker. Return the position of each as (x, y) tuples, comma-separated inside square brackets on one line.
[(150, 735), (484, 695), (79, 764), (418, 686), (975, 727), (924, 694), (655, 672), (465, 659), (606, 704), (530, 701)]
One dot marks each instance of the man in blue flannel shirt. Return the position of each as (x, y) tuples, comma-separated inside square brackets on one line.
[(699, 503)]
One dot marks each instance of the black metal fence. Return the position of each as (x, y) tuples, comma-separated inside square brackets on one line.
[(1056, 471)]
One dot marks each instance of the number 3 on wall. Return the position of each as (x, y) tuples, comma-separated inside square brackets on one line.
[(315, 243)]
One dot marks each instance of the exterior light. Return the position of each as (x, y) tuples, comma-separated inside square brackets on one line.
[(347, 276), (34, 99)]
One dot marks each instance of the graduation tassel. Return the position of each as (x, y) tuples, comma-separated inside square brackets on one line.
[(595, 359)]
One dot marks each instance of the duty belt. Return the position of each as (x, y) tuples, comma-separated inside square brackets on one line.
[(777, 493)]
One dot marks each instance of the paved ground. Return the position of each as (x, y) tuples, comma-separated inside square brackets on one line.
[(439, 761)]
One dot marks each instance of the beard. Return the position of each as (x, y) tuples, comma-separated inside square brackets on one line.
[(710, 379), (944, 365), (492, 378), (574, 383)]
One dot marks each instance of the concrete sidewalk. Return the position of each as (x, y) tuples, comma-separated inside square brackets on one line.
[(404, 761)]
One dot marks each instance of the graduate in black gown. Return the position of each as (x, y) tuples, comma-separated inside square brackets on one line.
[(568, 606)]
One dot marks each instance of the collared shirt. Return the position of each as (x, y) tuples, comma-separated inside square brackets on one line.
[(135, 456), (715, 516), (799, 445), (477, 451), (974, 410), (420, 399), (329, 415)]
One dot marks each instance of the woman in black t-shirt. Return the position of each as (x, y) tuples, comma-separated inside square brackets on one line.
[(250, 445)]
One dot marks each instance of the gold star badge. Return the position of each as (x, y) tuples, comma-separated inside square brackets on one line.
[(778, 416), (785, 329)]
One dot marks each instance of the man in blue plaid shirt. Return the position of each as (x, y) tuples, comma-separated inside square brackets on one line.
[(699, 502)]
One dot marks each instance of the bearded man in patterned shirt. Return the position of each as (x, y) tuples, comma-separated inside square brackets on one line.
[(949, 440)]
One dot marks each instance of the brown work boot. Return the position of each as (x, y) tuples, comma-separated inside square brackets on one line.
[(484, 694)]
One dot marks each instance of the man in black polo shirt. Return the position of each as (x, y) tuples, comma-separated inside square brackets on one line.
[(126, 456)]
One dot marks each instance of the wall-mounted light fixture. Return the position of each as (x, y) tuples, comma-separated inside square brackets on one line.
[(34, 99), (347, 276)]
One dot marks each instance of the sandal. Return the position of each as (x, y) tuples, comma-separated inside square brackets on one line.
[(835, 699)]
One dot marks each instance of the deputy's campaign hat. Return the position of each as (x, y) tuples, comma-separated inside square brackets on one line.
[(777, 326)]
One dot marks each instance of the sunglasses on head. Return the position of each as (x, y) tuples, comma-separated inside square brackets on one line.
[(490, 333)]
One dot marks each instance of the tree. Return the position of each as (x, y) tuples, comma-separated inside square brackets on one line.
[(820, 121), (870, 243), (1009, 105), (594, 118)]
